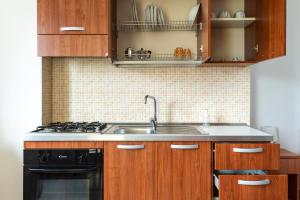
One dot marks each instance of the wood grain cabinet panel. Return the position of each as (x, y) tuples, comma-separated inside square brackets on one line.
[(271, 29), (254, 156), (91, 15), (73, 45), (129, 171), (204, 38), (253, 187), (184, 171)]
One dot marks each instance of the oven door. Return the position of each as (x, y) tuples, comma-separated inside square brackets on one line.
[(63, 184)]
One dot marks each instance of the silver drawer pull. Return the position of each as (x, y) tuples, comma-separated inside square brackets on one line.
[(131, 147), (191, 146), (245, 150), (254, 183), (72, 28)]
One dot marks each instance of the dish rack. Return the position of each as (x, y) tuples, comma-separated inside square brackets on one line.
[(157, 59), (145, 26)]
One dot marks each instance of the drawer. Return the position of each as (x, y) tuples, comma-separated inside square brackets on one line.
[(73, 45), (252, 187), (255, 156)]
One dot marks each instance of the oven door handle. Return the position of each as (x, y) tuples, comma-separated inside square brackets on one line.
[(60, 171)]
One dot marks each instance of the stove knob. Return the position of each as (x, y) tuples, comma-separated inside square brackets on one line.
[(81, 158), (44, 158)]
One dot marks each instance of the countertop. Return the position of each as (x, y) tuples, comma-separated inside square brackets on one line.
[(222, 133)]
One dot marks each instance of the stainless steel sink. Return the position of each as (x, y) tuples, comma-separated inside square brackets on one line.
[(161, 129), (133, 130)]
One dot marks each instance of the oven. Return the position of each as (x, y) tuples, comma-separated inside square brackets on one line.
[(63, 174)]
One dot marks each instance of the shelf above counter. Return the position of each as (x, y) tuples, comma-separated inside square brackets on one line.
[(145, 26), (232, 22), (158, 63), (157, 60)]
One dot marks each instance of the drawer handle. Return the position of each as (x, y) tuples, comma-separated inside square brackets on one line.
[(71, 28), (131, 147), (244, 150), (185, 147), (254, 183)]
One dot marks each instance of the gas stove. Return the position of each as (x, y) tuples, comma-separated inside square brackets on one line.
[(72, 127)]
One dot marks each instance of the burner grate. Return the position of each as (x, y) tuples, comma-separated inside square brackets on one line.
[(72, 127)]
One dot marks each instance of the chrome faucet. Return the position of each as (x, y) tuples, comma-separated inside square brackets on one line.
[(153, 120)]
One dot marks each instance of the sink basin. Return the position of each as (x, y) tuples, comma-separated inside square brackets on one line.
[(161, 129), (134, 130)]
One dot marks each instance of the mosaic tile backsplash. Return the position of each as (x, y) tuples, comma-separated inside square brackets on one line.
[(91, 89)]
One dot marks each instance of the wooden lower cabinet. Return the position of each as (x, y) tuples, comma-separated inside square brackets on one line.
[(184, 171), (157, 170), (130, 171), (253, 187), (247, 156)]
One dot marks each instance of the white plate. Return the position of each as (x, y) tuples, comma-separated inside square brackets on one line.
[(147, 13), (193, 13), (155, 20), (162, 16), (152, 16), (136, 18), (132, 11), (159, 22)]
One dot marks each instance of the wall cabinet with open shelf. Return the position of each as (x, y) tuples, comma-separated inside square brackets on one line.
[(106, 28), (162, 39), (260, 35)]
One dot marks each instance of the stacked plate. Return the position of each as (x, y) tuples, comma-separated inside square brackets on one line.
[(134, 13), (154, 16), (193, 14)]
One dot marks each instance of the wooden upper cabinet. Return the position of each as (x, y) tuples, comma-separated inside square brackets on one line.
[(184, 171), (271, 29), (204, 38), (129, 171), (63, 16)]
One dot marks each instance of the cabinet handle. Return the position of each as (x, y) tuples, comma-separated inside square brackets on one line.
[(187, 147), (246, 150), (254, 183), (71, 28), (130, 147)]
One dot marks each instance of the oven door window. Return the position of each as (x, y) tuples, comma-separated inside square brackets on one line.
[(65, 186)]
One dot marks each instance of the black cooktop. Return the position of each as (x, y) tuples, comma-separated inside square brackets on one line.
[(71, 127)]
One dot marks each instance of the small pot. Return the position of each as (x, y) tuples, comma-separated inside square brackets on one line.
[(129, 53), (143, 54)]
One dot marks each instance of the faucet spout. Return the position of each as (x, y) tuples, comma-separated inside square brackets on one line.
[(154, 119)]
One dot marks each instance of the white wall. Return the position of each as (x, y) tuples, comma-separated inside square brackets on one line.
[(20, 90), (276, 87)]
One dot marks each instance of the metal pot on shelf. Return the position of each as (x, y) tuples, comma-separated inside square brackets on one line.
[(143, 54), (129, 53)]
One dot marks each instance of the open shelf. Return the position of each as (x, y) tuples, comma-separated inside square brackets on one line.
[(232, 22), (157, 59), (146, 26)]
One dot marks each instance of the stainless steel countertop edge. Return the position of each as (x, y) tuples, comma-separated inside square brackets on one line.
[(231, 133), (169, 137)]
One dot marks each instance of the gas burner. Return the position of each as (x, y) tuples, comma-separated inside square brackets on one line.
[(72, 127)]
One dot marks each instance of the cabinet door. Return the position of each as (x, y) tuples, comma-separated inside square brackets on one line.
[(184, 171), (129, 171), (73, 45), (204, 38), (271, 29), (72, 17)]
